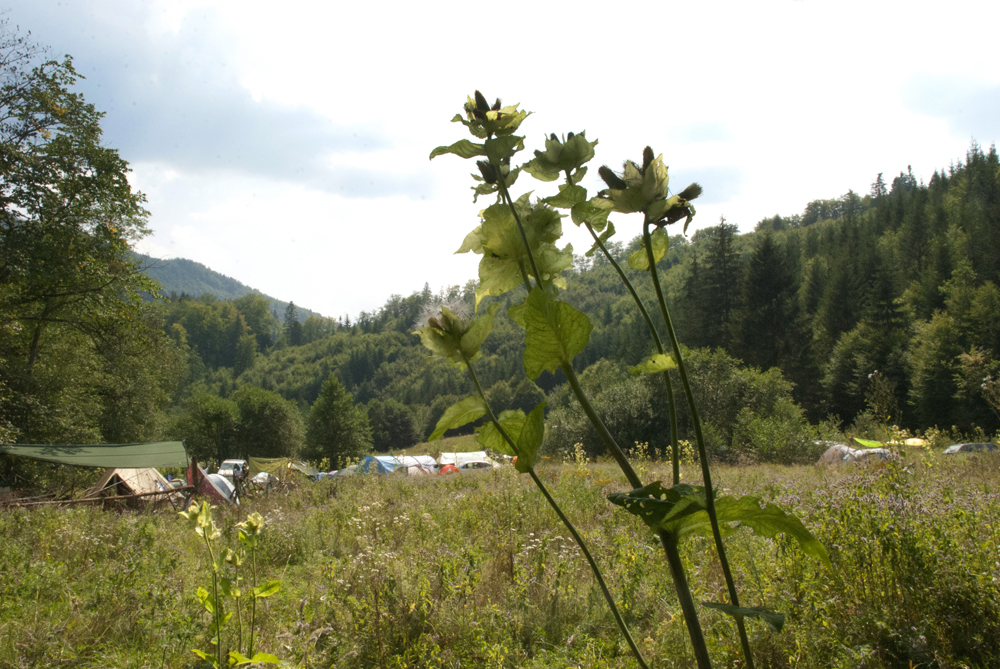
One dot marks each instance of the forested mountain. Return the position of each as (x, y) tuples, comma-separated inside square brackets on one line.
[(861, 311), (181, 276), (882, 306)]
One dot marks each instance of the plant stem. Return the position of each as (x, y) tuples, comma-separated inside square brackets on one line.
[(686, 600), (505, 194), (674, 448), (602, 430), (569, 526), (215, 597), (690, 613), (253, 602), (700, 439)]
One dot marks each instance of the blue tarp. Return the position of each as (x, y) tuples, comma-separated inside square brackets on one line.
[(378, 464)]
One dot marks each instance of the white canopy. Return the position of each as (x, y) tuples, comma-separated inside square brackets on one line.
[(459, 459)]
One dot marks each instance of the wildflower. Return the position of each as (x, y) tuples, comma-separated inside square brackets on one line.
[(448, 332), (645, 188), (484, 120)]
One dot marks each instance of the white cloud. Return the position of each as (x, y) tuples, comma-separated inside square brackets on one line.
[(255, 125)]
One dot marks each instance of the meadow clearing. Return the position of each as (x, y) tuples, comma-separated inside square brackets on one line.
[(473, 570)]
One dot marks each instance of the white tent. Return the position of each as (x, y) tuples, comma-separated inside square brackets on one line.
[(120, 482), (460, 459), (836, 454), (417, 461)]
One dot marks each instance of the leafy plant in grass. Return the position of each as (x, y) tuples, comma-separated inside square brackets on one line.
[(517, 239), (229, 568)]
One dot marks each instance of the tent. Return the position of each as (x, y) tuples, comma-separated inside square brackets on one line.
[(308, 470), (424, 461), (378, 464), (273, 466), (449, 469), (836, 454), (156, 454), (460, 459), (119, 482), (212, 486)]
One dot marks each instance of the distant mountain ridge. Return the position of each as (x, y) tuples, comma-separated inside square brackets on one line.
[(180, 275)]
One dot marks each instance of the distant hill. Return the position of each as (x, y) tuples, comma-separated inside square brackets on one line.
[(180, 275)]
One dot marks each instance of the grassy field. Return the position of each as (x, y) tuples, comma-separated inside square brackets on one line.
[(472, 570)]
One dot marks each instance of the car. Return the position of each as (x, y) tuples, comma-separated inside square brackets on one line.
[(871, 455), (969, 448), (227, 467), (475, 464)]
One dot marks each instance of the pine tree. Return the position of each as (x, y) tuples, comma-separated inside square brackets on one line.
[(723, 273), (293, 327), (766, 319)]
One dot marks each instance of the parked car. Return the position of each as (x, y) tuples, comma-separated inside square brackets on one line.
[(476, 464), (969, 448), (871, 455), (227, 467)]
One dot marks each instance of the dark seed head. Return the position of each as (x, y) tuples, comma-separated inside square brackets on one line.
[(488, 171), (647, 158), (691, 192), (481, 103), (611, 179)]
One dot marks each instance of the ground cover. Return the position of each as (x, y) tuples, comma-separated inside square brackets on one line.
[(473, 570)]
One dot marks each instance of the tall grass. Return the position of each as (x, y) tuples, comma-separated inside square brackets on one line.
[(441, 571)]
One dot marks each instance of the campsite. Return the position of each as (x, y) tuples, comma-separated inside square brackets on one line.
[(469, 569), (607, 410)]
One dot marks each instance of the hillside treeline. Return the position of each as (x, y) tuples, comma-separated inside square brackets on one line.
[(862, 310), (882, 306)]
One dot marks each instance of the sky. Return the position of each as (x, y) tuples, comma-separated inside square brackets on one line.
[(286, 144)]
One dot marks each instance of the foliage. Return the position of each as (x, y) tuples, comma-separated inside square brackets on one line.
[(393, 426), (228, 570), (269, 426), (81, 351), (336, 428), (209, 427), (912, 581)]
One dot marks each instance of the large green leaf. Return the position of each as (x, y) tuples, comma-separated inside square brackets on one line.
[(773, 619), (658, 506), (504, 254), (654, 364), (551, 260), (555, 333), (530, 439), (458, 414), (473, 241), (608, 233), (568, 197), (869, 443), (267, 589), (661, 244), (462, 148), (499, 149), (594, 211), (682, 511), (511, 422), (497, 276)]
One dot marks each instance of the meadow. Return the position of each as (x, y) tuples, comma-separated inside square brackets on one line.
[(473, 570)]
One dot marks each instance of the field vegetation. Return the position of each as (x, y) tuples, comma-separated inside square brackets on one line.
[(473, 570)]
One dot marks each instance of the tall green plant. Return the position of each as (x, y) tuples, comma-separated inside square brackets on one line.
[(517, 239), (228, 570)]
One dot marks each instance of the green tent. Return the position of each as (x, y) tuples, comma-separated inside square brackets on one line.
[(273, 466), (132, 456)]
